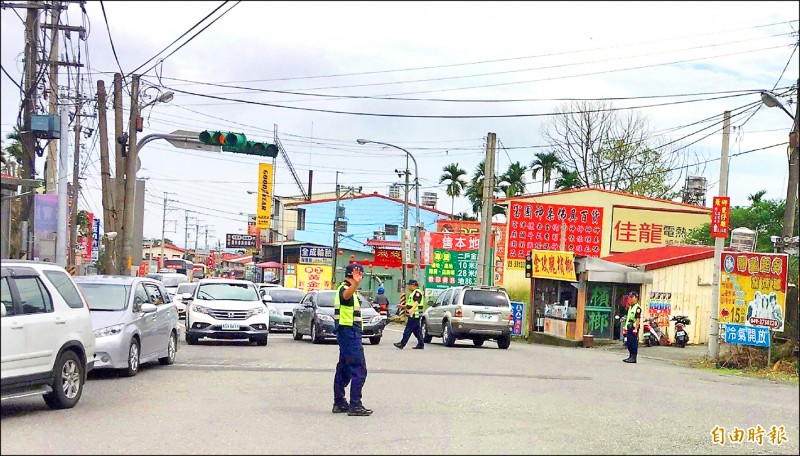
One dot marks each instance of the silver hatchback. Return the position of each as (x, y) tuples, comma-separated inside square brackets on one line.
[(134, 321), (469, 312)]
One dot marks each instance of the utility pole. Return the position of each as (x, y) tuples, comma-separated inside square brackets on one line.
[(130, 177), (27, 137), (719, 243), (109, 214), (335, 233), (196, 233), (405, 237), (63, 159), (794, 172), (163, 229), (50, 163), (119, 164), (186, 235), (73, 213), (487, 204)]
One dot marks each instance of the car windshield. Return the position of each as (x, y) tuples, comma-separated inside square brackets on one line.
[(186, 288), (173, 281), (227, 291), (293, 296), (489, 298), (105, 297), (325, 299)]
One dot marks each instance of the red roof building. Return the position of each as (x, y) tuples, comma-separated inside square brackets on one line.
[(661, 257)]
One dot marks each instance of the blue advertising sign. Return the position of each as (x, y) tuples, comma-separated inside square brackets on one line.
[(316, 255), (517, 312), (758, 336), (95, 239)]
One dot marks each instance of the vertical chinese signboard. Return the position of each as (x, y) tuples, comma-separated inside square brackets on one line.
[(753, 289), (264, 205), (517, 313), (86, 241), (313, 277), (454, 260), (538, 226), (95, 240), (720, 215)]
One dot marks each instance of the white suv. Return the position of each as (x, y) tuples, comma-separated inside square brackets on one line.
[(226, 309), (48, 345)]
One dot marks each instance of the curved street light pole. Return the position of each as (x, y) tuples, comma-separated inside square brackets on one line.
[(418, 223)]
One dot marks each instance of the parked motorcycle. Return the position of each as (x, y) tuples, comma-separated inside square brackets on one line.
[(653, 335), (681, 336)]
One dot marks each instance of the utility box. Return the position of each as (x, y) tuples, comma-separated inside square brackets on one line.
[(46, 126)]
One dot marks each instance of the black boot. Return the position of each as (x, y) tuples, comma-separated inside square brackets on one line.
[(630, 359), (398, 345), (341, 408), (419, 347), (359, 410)]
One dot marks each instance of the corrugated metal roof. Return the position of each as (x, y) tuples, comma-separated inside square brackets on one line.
[(662, 257)]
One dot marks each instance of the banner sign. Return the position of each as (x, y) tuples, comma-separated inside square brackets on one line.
[(95, 239), (547, 264), (264, 205), (753, 289), (86, 242), (517, 311), (720, 216), (313, 277), (635, 228), (251, 225), (497, 244), (758, 336), (454, 259), (316, 255), (539, 226), (240, 241), (388, 258)]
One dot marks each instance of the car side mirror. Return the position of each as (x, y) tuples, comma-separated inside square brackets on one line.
[(148, 308), (266, 298), (186, 297)]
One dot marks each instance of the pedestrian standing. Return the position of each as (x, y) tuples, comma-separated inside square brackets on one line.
[(352, 367), (632, 327), (411, 303)]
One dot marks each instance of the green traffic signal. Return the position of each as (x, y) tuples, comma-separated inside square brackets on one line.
[(264, 149), (235, 140), (238, 143)]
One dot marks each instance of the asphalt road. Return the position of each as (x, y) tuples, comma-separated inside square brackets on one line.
[(233, 398)]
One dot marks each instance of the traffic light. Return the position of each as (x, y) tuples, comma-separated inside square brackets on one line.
[(238, 143), (528, 266)]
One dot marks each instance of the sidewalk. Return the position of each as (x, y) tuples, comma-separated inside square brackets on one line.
[(669, 353)]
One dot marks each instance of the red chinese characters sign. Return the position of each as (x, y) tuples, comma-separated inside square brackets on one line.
[(538, 226), (553, 265), (388, 258), (720, 216)]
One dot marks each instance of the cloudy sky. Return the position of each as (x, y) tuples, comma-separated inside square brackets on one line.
[(333, 54)]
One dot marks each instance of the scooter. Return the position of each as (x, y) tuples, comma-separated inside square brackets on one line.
[(653, 335), (681, 337)]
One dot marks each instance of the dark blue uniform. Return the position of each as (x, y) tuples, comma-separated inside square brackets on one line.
[(352, 367)]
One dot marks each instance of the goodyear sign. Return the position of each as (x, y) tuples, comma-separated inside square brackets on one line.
[(264, 207), (753, 289)]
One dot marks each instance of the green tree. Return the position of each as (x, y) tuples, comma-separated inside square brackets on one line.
[(546, 162), (464, 216), (512, 182), (567, 179), (454, 177), (474, 191), (167, 241), (12, 154)]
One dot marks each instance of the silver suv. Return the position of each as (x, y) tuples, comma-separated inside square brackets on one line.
[(469, 312)]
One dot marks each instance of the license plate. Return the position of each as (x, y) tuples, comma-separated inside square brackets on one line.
[(485, 317), (233, 326), (681, 333)]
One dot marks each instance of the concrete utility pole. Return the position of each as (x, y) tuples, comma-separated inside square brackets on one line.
[(794, 173), (63, 159), (186, 235), (109, 214), (487, 204), (76, 162), (119, 165), (405, 236), (50, 163), (335, 233), (196, 233), (130, 177), (27, 138), (163, 229), (719, 243)]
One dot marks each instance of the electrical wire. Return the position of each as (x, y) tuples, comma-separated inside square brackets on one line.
[(113, 48)]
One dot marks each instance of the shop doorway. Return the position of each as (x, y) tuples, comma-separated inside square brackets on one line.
[(604, 302)]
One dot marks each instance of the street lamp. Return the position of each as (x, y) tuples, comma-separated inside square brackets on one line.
[(769, 99), (165, 97), (416, 192)]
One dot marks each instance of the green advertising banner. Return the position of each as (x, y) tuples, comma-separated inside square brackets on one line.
[(454, 261)]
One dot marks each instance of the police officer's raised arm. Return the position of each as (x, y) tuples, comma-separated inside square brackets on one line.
[(350, 290)]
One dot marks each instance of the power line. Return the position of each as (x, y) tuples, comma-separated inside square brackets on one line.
[(113, 48)]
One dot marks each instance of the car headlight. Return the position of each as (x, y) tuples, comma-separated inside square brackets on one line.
[(201, 309), (325, 317), (273, 311), (376, 319), (109, 330)]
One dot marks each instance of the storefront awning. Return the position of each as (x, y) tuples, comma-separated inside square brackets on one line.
[(605, 271)]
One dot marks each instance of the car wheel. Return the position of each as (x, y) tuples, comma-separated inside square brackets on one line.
[(375, 340), (447, 334), (133, 359), (426, 337), (503, 342), (314, 337), (478, 341), (172, 349), (295, 332), (68, 379)]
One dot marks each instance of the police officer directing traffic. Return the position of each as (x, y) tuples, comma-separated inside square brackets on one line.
[(352, 367), (632, 327), (413, 307)]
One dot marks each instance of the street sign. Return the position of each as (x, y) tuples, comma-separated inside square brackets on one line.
[(517, 311), (758, 336), (190, 140), (238, 241), (720, 216)]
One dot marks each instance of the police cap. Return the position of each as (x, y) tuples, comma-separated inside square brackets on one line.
[(348, 271)]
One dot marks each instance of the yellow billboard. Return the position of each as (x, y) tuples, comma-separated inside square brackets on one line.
[(634, 228), (548, 264), (264, 205), (312, 277), (752, 289)]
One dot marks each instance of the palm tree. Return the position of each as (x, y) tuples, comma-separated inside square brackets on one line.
[(513, 180), (474, 191), (568, 179), (547, 163), (756, 197), (453, 176)]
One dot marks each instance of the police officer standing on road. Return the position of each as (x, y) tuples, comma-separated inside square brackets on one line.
[(413, 308), (352, 366), (632, 327)]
